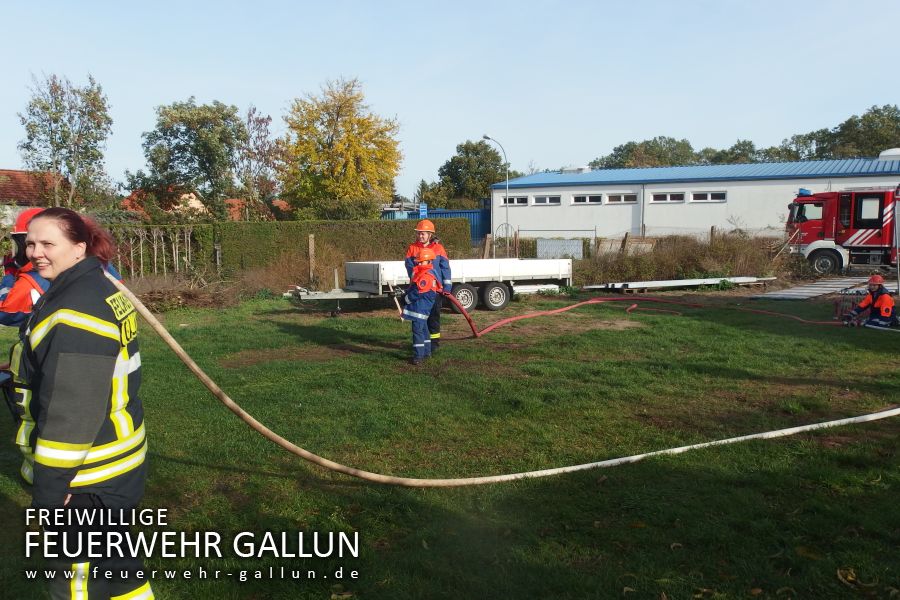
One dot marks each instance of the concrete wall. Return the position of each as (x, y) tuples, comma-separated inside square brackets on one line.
[(756, 206)]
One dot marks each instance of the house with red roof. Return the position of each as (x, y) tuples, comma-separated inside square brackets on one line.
[(25, 188), (22, 189)]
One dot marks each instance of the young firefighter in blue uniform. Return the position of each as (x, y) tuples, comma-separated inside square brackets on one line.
[(425, 238), (418, 301), (879, 302)]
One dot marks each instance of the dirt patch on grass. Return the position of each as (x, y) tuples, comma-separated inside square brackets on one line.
[(248, 358), (836, 441), (571, 324), (158, 301)]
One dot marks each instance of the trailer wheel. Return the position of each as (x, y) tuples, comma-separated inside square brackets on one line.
[(466, 295), (494, 295), (825, 262)]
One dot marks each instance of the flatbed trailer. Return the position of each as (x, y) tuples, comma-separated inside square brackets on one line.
[(490, 282)]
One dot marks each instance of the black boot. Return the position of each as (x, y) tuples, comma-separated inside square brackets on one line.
[(435, 344)]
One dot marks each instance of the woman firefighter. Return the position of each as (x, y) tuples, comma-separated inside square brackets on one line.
[(77, 373)]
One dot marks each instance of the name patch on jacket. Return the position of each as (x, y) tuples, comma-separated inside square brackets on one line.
[(120, 304), (125, 314), (128, 327)]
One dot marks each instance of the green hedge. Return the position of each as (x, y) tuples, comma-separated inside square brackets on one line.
[(150, 249), (254, 244)]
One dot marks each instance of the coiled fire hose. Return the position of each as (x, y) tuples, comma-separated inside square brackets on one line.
[(453, 482)]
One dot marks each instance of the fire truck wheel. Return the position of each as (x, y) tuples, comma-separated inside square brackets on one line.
[(466, 295), (825, 262)]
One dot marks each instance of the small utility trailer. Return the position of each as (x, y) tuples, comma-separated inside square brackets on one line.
[(490, 282)]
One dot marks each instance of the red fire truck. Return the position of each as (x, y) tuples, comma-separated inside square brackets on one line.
[(835, 230)]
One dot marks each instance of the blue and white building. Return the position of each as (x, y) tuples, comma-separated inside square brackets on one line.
[(609, 203)]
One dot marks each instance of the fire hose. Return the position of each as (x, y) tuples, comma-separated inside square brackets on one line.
[(450, 482)]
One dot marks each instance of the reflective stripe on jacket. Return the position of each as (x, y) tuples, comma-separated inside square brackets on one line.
[(419, 298)]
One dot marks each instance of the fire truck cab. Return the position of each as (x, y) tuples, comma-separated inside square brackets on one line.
[(835, 230)]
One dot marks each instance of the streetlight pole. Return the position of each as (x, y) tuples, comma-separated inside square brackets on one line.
[(506, 197)]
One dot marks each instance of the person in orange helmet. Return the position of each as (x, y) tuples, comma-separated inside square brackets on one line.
[(21, 285), (425, 238), (418, 301), (879, 303)]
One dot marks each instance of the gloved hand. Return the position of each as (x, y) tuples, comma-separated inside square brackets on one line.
[(399, 292)]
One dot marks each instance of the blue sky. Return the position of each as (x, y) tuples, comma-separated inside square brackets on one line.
[(557, 83)]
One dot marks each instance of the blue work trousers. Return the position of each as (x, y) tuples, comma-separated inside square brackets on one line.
[(421, 338)]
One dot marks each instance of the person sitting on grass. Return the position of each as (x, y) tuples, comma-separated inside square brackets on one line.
[(418, 300), (879, 303)]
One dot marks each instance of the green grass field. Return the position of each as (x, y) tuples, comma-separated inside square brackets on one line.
[(810, 516)]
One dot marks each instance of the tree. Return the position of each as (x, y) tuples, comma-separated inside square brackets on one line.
[(421, 190), (876, 130), (338, 160), (743, 151), (256, 163), (435, 194), (66, 128), (97, 193), (469, 174), (803, 146), (194, 148), (859, 136), (660, 151)]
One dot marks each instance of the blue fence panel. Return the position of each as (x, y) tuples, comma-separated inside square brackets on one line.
[(479, 220)]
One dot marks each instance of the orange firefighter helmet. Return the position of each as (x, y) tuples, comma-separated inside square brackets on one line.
[(425, 225), (24, 219), (425, 254), (876, 280)]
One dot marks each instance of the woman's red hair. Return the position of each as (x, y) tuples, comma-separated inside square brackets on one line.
[(78, 228)]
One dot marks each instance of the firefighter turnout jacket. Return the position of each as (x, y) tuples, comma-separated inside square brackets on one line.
[(76, 373), (440, 266), (881, 305)]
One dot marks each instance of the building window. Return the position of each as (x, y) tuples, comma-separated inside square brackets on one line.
[(587, 199), (709, 197), (669, 197), (621, 198), (514, 201), (545, 200)]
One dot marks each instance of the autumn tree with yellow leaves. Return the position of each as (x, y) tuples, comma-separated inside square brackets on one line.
[(338, 160)]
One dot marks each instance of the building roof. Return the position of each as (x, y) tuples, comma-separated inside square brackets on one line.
[(25, 188), (810, 169)]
